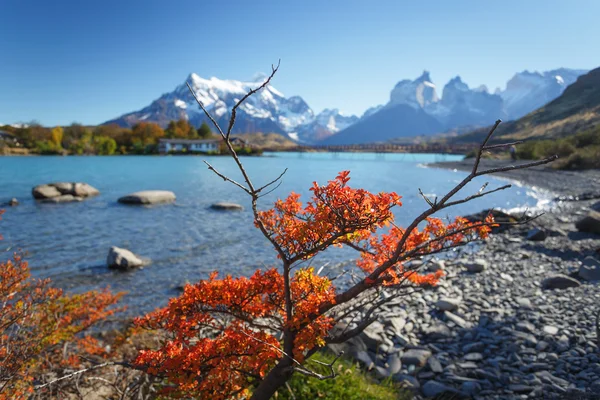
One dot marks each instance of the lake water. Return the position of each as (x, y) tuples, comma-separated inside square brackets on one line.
[(187, 240)]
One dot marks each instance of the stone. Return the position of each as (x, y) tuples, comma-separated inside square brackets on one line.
[(119, 258), (394, 364), (436, 265), (373, 335), (590, 223), (527, 337), (84, 190), (45, 192), (435, 388), (536, 235), (65, 198), (526, 326), (523, 302), (447, 303), (13, 202), (226, 206), (518, 388), (470, 388), (457, 320), (477, 265), (148, 197), (550, 330), (590, 269), (407, 380), (397, 324), (438, 330), (434, 365), (559, 281), (473, 357), (56, 189), (416, 357)]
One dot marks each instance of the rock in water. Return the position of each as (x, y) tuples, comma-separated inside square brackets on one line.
[(53, 190), (65, 198), (559, 281), (149, 197), (590, 223), (45, 192), (224, 205), (13, 202), (590, 269), (119, 258)]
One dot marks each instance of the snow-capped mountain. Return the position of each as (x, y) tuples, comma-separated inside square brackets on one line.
[(418, 93), (266, 111), (527, 91), (459, 106), (327, 123), (462, 106), (414, 107)]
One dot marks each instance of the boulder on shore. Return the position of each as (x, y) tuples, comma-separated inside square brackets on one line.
[(590, 269), (76, 190), (119, 258), (224, 205), (147, 197), (590, 223), (559, 281)]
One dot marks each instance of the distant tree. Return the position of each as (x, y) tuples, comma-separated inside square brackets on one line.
[(105, 146), (181, 129), (147, 133), (204, 132), (32, 134), (57, 136)]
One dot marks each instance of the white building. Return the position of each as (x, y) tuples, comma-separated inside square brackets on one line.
[(166, 146)]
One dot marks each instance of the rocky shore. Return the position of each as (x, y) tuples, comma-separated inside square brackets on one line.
[(512, 318)]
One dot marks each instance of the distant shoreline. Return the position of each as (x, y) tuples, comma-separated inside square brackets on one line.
[(564, 183)]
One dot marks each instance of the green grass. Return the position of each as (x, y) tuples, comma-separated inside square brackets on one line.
[(580, 151), (351, 383)]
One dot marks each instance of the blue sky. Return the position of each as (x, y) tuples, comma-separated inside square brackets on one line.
[(90, 61)]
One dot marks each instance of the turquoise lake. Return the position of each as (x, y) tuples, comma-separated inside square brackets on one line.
[(187, 240)]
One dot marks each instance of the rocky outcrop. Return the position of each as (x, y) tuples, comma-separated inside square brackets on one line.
[(61, 192), (148, 197), (123, 259)]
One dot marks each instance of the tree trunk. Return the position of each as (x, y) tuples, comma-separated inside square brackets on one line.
[(274, 380)]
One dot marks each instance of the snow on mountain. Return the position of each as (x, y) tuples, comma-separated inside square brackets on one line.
[(417, 94), (327, 123), (462, 106), (527, 91), (266, 111)]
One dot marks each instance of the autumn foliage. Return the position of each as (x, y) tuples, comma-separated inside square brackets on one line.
[(227, 335), (42, 330)]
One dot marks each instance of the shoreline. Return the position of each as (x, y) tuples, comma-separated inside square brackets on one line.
[(566, 184), (495, 331)]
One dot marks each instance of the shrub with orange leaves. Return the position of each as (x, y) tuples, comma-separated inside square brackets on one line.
[(42, 330), (242, 337)]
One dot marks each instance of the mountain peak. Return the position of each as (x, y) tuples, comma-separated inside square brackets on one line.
[(425, 77)]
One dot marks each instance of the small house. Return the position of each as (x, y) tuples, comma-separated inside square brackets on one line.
[(9, 138), (166, 146)]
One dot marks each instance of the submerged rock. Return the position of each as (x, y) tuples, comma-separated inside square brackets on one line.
[(119, 258), (147, 197), (65, 198), (13, 202), (224, 205)]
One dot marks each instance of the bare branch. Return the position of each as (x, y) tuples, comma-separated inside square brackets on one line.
[(208, 115), (250, 93), (515, 167), (498, 146), (272, 182), (226, 178)]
